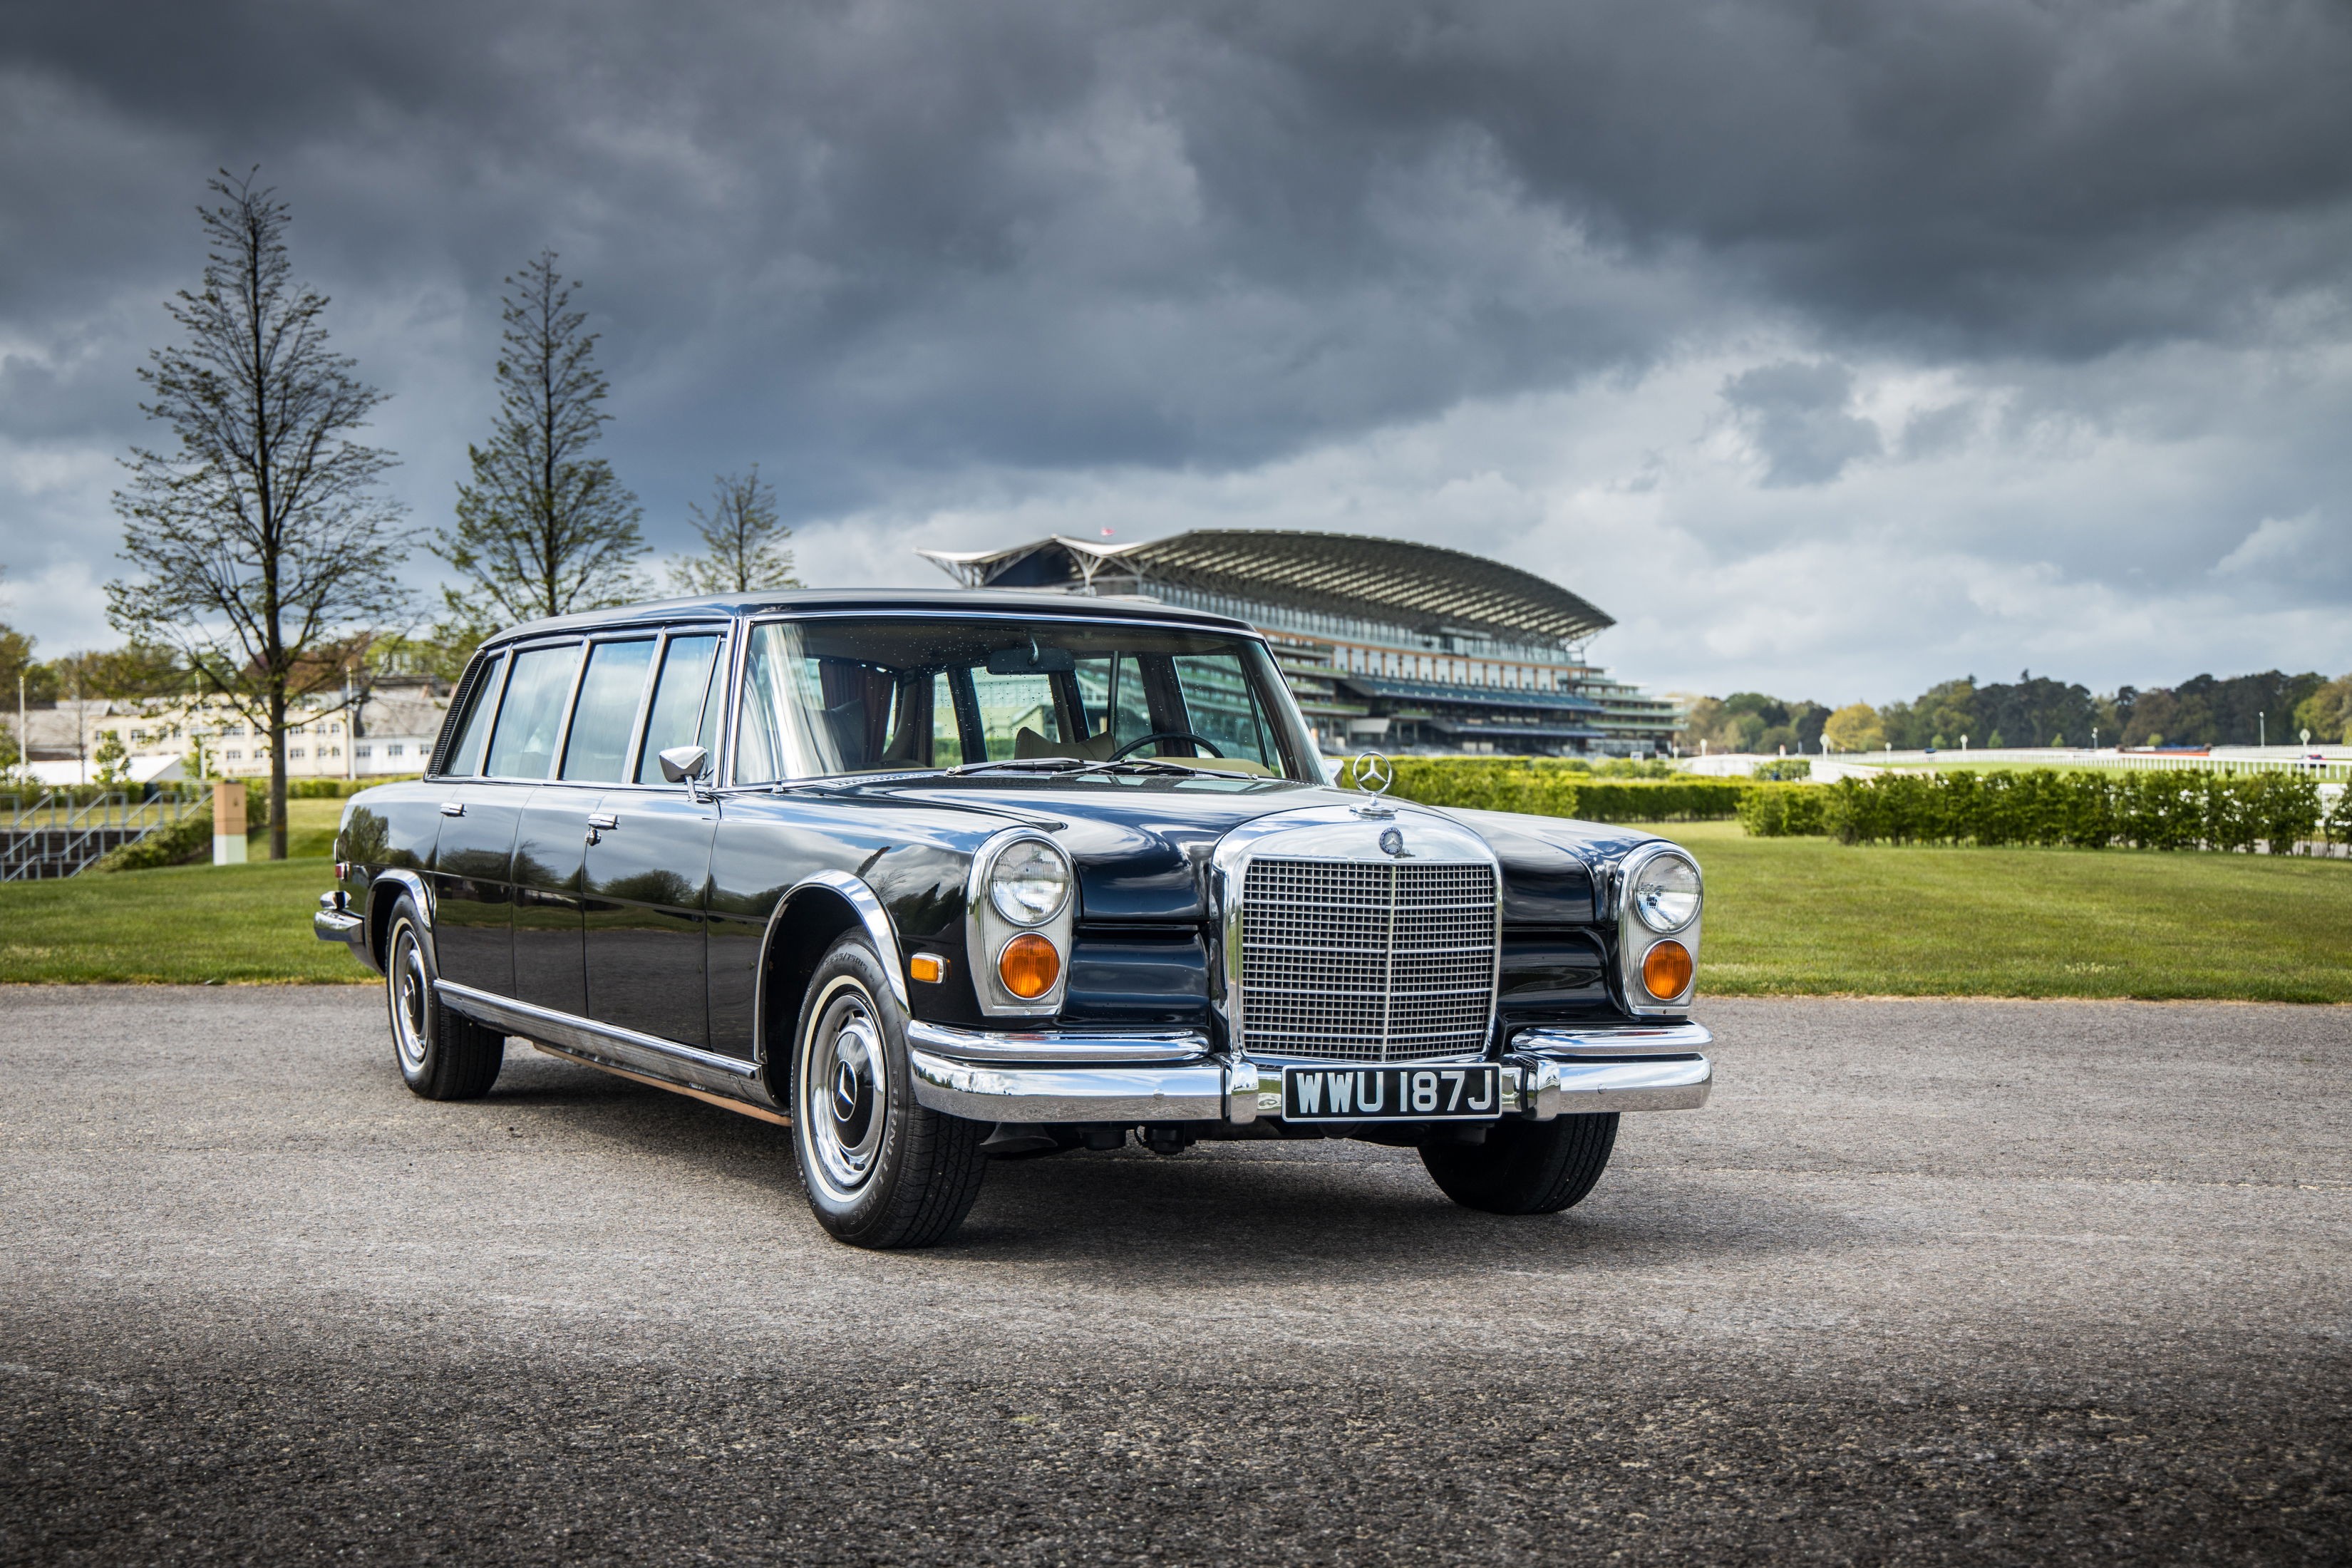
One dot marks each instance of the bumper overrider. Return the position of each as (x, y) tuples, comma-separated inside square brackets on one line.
[(1069, 1076), (336, 922)]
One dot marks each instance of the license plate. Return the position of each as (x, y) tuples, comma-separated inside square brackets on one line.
[(1470, 1093)]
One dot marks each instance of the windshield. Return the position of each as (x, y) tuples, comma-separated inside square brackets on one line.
[(828, 696)]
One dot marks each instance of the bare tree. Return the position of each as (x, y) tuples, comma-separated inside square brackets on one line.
[(263, 542), (742, 539), (544, 528)]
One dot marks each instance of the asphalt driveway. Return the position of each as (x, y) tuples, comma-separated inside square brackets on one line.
[(1928, 1281)]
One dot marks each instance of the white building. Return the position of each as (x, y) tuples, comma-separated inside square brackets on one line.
[(178, 737)]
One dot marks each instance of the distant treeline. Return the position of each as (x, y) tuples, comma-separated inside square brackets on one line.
[(2035, 710)]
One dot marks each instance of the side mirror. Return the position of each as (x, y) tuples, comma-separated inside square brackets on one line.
[(685, 764)]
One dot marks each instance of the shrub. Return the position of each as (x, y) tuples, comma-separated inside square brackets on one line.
[(1784, 769), (1543, 787), (1784, 811), (2085, 809), (175, 844), (330, 789)]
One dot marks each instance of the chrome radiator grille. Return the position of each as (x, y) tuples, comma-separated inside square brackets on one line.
[(1365, 961)]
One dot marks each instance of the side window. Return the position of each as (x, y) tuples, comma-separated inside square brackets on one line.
[(681, 701), (605, 717), (465, 758), (523, 745), (1219, 704)]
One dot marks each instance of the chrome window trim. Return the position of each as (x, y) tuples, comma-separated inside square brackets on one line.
[(986, 931), (579, 683), (495, 694), (1310, 761), (1634, 939), (564, 732), (1333, 826)]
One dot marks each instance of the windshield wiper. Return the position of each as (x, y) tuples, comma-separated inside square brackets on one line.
[(1023, 764)]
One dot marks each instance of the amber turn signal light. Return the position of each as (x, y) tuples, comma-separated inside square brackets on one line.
[(1029, 967), (928, 967), (1666, 970)]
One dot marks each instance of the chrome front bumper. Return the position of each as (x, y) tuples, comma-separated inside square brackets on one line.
[(1056, 1076)]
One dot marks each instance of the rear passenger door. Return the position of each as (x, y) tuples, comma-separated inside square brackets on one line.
[(648, 861)]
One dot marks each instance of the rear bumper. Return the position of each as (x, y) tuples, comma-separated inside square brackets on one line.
[(1055, 1076), (333, 922)]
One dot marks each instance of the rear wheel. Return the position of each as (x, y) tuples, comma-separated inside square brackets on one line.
[(1526, 1167), (881, 1169), (442, 1055)]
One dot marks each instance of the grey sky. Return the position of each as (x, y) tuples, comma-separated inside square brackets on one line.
[(1833, 347)]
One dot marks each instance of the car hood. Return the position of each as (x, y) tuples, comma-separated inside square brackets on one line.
[(1141, 843)]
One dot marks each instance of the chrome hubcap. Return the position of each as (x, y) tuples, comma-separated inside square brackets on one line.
[(408, 1001), (844, 1095)]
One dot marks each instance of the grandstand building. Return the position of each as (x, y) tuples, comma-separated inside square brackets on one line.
[(1409, 648)]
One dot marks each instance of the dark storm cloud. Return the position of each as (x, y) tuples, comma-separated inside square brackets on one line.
[(1798, 415), (1203, 234), (892, 249)]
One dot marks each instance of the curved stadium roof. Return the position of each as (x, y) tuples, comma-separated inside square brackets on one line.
[(1422, 586)]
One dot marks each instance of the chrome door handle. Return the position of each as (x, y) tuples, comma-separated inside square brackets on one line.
[(452, 808)]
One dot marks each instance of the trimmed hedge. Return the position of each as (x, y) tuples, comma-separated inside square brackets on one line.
[(2083, 809), (1784, 811), (180, 843), (1551, 787), (327, 789)]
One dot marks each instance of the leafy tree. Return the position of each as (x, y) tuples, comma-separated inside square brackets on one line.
[(1856, 728), (16, 659), (139, 670), (742, 539), (112, 758), (264, 539), (544, 528), (2328, 712)]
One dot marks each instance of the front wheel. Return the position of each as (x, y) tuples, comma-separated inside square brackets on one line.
[(1526, 1167), (442, 1053), (882, 1170)]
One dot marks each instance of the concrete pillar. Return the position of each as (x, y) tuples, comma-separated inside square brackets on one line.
[(228, 822)]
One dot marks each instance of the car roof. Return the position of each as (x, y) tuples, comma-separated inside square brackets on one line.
[(958, 601)]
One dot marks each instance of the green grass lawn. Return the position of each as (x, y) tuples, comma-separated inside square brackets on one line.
[(180, 925), (1784, 916), (1811, 916)]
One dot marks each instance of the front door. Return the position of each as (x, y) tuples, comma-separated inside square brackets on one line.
[(648, 862)]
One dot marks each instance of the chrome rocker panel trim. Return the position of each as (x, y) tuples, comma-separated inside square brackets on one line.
[(605, 1045)]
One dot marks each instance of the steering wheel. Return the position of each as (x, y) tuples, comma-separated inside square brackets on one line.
[(1142, 740)]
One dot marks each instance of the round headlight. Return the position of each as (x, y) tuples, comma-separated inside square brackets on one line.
[(1665, 894), (1030, 883)]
